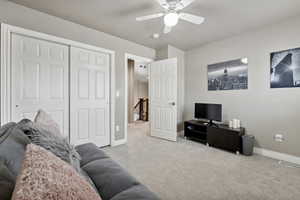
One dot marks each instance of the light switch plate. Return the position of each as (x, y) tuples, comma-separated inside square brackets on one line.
[(279, 138)]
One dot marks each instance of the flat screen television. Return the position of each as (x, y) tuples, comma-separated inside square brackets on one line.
[(211, 112)]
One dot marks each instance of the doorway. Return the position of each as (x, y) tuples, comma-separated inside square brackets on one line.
[(137, 89), (161, 78), (138, 92)]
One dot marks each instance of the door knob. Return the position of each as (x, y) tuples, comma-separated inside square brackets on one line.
[(172, 103), (17, 106)]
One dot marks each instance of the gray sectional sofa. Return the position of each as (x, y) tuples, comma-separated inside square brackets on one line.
[(111, 181)]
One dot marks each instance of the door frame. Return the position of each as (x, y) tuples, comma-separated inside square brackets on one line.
[(6, 31), (133, 57)]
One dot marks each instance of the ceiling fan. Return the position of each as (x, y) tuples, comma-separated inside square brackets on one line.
[(172, 14)]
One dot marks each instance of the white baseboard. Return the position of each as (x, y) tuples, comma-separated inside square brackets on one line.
[(118, 142), (277, 155)]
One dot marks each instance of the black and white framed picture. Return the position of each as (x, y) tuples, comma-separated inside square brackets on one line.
[(230, 75), (285, 68)]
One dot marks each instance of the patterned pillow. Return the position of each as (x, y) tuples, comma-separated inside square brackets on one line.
[(46, 177), (56, 144), (45, 120)]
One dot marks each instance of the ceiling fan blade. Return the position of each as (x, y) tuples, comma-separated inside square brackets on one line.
[(183, 4), (167, 29), (191, 18), (163, 3), (147, 17)]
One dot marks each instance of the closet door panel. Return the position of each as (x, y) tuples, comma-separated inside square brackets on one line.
[(89, 97), (57, 80), (40, 79)]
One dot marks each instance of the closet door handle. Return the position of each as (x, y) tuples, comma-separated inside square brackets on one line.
[(172, 103)]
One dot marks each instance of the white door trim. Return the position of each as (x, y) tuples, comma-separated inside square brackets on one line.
[(133, 57), (6, 31)]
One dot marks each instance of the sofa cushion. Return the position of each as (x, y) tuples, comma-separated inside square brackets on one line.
[(13, 143), (111, 180), (88, 179), (12, 149), (137, 192), (46, 177), (90, 152), (7, 182)]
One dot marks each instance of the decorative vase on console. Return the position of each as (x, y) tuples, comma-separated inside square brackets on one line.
[(235, 123)]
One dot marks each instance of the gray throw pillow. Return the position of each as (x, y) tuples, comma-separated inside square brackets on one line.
[(54, 143), (7, 182), (45, 120)]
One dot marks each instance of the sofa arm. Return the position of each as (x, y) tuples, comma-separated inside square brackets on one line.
[(110, 179), (90, 152)]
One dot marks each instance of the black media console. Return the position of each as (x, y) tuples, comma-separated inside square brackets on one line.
[(220, 136)]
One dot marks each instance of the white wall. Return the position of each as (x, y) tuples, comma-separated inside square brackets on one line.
[(141, 90), (162, 53), (263, 111), (17, 15)]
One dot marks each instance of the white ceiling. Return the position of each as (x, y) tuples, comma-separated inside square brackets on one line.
[(224, 18)]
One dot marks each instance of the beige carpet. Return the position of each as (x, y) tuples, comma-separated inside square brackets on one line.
[(191, 171)]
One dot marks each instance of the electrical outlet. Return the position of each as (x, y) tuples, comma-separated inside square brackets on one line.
[(117, 128), (279, 138)]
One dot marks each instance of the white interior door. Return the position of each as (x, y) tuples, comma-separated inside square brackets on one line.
[(163, 99), (90, 97), (40, 79)]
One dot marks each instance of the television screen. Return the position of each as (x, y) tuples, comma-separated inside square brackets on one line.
[(208, 111)]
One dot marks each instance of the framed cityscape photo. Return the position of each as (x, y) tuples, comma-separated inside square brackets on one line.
[(230, 75), (285, 69)]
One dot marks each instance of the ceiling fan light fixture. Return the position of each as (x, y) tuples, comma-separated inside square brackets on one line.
[(244, 60), (155, 36), (171, 19)]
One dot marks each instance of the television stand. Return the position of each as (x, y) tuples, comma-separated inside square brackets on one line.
[(211, 123), (196, 130), (219, 136)]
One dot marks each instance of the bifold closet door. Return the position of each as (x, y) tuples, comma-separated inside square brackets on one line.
[(89, 97), (40, 73)]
